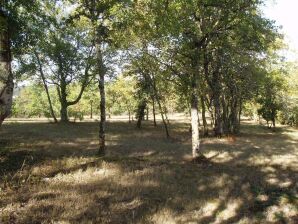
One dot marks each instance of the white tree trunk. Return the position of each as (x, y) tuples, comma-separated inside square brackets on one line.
[(195, 140)]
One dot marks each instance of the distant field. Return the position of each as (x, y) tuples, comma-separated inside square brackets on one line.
[(172, 116), (50, 173)]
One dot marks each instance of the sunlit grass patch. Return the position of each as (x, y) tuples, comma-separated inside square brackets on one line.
[(84, 176)]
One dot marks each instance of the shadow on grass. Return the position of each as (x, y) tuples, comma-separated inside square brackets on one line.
[(144, 179)]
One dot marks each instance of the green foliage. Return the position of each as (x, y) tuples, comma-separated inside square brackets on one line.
[(250, 109), (289, 113), (120, 95), (270, 97), (219, 50), (76, 113), (31, 101), (22, 14)]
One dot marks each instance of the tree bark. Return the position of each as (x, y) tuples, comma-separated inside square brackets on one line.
[(194, 124), (161, 109), (102, 122), (141, 112), (153, 111), (212, 118), (46, 87), (234, 117), (91, 110), (218, 118), (109, 113), (164, 119), (63, 100), (102, 105), (225, 116), (195, 134), (63, 112), (6, 76), (239, 114), (165, 111), (205, 126)]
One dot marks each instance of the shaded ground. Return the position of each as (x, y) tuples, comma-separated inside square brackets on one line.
[(51, 174)]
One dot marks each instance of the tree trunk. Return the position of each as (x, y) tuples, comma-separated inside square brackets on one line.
[(165, 111), (91, 110), (218, 118), (141, 112), (225, 117), (63, 112), (6, 76), (239, 115), (63, 101), (129, 115), (109, 113), (147, 113), (153, 112), (234, 113), (212, 118), (102, 106), (102, 122), (45, 87), (194, 124), (164, 119), (205, 127), (162, 110)]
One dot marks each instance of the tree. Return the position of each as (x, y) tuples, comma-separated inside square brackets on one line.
[(191, 38), (6, 77), (14, 20), (289, 96), (120, 96), (270, 98), (67, 56), (44, 81), (102, 16), (11, 29), (29, 61), (31, 101), (91, 99), (149, 82)]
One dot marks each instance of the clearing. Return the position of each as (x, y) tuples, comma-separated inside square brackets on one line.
[(51, 174)]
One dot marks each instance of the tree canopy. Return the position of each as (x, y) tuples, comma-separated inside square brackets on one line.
[(202, 57)]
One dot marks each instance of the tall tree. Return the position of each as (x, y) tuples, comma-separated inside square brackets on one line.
[(14, 35), (62, 56), (44, 81), (102, 15), (71, 60), (6, 77), (183, 30)]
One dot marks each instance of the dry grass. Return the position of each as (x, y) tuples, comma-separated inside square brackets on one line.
[(51, 174)]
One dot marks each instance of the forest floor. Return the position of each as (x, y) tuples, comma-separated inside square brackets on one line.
[(50, 173)]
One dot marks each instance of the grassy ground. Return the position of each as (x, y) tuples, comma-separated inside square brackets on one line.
[(51, 174)]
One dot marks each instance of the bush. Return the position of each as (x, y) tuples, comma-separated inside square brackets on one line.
[(289, 116)]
